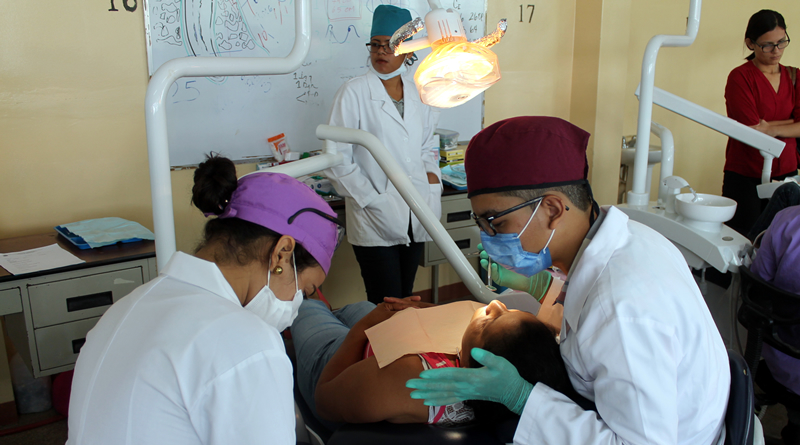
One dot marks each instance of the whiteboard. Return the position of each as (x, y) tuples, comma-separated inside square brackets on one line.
[(236, 115)]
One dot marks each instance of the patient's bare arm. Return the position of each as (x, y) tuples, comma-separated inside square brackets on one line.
[(357, 391)]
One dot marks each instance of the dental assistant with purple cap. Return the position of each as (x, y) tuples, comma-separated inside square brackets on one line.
[(195, 356), (387, 238)]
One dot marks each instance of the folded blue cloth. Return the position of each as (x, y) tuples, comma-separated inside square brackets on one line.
[(105, 231)]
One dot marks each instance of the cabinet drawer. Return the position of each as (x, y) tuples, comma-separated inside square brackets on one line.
[(59, 345), (456, 212), (467, 238), (10, 301), (79, 298)]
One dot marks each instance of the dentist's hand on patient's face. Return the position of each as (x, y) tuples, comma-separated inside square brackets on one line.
[(497, 381)]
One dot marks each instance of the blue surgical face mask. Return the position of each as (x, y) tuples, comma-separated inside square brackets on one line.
[(506, 249)]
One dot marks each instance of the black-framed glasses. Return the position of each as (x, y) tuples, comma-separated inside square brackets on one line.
[(486, 225), (339, 224), (769, 47), (375, 47)]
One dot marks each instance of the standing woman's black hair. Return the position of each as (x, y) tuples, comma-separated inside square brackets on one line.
[(242, 242), (761, 23)]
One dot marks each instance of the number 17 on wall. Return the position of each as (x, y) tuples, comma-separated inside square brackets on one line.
[(521, 9)]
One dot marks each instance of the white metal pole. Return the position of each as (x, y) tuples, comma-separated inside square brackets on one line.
[(667, 158), (156, 117), (637, 196), (415, 202)]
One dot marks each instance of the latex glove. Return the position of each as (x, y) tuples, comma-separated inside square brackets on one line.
[(536, 285), (498, 381)]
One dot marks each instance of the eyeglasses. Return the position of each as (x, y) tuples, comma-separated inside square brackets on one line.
[(769, 47), (486, 225), (375, 47), (339, 224)]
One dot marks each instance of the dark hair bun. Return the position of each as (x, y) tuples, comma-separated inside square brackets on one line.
[(214, 183)]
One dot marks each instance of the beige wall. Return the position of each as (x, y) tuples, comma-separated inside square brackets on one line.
[(73, 77), (697, 73)]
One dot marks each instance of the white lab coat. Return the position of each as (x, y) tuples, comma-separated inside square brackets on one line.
[(376, 214), (179, 361), (638, 340)]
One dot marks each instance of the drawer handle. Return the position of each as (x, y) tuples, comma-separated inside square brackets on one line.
[(77, 345), (464, 243), (458, 216), (90, 301)]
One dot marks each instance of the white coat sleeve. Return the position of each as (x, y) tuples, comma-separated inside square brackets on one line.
[(634, 364), (429, 147), (348, 179), (251, 403)]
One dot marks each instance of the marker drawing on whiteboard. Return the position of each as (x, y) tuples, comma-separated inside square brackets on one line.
[(331, 36), (305, 83), (343, 10), (188, 93)]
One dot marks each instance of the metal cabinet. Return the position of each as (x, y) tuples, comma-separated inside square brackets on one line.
[(48, 316), (456, 210), (456, 219)]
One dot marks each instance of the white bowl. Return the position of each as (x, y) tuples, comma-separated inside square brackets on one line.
[(707, 213)]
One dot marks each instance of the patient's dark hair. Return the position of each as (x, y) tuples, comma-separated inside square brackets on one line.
[(533, 350), (243, 242)]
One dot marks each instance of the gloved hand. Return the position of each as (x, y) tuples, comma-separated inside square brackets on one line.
[(536, 285), (498, 381)]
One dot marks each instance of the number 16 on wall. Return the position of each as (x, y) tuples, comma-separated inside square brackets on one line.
[(522, 8)]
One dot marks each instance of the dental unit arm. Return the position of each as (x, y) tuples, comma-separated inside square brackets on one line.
[(648, 95), (414, 200), (156, 115)]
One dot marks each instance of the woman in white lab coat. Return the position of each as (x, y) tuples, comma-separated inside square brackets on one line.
[(195, 356), (386, 237)]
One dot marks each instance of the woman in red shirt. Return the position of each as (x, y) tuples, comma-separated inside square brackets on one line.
[(760, 93)]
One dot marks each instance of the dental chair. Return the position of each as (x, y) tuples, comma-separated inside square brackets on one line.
[(763, 314), (310, 431), (739, 427)]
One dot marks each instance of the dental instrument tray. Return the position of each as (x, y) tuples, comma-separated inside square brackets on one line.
[(80, 243)]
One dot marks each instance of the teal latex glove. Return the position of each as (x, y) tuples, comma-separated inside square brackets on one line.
[(536, 285), (498, 381)]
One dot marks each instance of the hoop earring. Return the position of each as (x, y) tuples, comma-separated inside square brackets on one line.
[(278, 270)]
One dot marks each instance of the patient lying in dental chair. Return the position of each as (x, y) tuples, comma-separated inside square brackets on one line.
[(343, 384)]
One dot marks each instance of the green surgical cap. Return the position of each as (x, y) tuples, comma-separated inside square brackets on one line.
[(387, 19)]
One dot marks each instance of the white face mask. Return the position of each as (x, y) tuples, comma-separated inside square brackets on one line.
[(277, 313), (402, 70)]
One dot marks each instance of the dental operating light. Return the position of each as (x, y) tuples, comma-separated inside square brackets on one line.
[(456, 70)]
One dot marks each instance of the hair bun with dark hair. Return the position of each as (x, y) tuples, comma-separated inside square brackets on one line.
[(214, 183)]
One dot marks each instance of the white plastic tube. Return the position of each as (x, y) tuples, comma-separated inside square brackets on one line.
[(156, 115), (415, 202), (667, 158), (638, 196), (766, 169)]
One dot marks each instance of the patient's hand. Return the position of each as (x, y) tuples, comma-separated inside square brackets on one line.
[(381, 313), (398, 304)]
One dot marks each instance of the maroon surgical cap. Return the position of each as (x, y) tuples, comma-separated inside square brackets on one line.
[(526, 152)]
